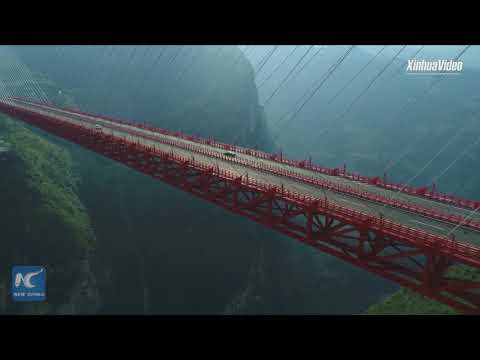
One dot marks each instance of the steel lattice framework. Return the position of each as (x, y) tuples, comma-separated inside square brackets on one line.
[(410, 257)]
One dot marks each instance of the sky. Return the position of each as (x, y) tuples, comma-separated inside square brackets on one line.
[(434, 52), (431, 52)]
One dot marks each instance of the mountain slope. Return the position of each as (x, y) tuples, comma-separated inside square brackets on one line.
[(41, 211), (407, 302)]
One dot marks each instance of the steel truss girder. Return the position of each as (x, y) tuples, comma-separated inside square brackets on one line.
[(358, 240)]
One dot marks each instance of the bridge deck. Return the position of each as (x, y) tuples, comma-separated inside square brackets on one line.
[(241, 167)]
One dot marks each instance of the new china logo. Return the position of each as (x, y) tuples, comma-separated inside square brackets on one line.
[(29, 283)]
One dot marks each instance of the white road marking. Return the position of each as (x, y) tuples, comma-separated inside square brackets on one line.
[(353, 202), (433, 226)]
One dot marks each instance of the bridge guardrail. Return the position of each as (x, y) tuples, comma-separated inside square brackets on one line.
[(326, 184)]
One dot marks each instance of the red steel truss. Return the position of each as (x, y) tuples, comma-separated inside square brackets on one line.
[(412, 258)]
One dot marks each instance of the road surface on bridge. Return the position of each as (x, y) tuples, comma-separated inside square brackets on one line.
[(149, 138)]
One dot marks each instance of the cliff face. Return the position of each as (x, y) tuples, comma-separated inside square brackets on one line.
[(207, 90), (43, 222)]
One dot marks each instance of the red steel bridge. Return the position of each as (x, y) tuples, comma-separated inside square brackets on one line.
[(412, 236)]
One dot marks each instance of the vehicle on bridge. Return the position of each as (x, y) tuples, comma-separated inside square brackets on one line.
[(98, 127), (229, 154)]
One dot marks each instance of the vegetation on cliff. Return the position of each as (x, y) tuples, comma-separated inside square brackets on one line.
[(42, 219), (407, 302)]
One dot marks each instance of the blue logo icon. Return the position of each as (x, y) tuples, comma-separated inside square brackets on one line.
[(29, 283)]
